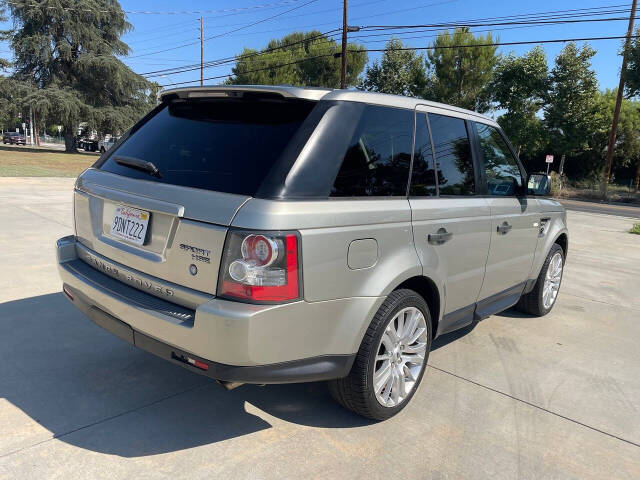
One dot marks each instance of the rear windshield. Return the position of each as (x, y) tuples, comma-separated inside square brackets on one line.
[(223, 145)]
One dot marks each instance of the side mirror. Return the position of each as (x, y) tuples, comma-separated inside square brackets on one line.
[(539, 184)]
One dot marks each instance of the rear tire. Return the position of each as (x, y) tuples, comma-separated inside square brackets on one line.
[(403, 315), (535, 302)]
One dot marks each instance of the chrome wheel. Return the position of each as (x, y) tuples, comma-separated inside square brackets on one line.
[(400, 357), (552, 281)]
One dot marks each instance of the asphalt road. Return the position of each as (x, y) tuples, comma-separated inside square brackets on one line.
[(632, 211), (514, 397)]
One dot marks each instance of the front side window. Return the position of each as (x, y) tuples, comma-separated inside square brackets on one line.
[(378, 156), (502, 171), (453, 155)]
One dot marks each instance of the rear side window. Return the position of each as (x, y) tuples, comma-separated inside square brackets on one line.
[(378, 156), (223, 145), (502, 171), (453, 155)]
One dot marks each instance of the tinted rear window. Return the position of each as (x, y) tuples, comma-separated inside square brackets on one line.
[(223, 145), (377, 160)]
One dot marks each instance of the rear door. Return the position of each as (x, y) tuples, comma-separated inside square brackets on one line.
[(160, 202), (514, 222), (451, 223)]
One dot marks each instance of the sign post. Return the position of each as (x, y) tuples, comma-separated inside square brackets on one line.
[(59, 130), (549, 160)]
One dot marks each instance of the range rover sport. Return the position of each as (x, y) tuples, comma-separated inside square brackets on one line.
[(280, 234)]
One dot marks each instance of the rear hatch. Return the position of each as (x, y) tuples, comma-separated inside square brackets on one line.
[(160, 202)]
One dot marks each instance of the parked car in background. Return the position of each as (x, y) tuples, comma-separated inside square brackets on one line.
[(303, 234), (90, 145), (104, 145), (14, 138)]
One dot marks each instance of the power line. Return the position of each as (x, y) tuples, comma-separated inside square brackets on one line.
[(433, 27), (230, 31), (234, 58), (166, 12), (495, 44)]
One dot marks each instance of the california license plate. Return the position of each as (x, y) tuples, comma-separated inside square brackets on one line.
[(130, 224)]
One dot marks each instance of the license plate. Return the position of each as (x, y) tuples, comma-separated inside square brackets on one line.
[(130, 224)]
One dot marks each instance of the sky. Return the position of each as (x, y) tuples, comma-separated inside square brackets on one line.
[(169, 24)]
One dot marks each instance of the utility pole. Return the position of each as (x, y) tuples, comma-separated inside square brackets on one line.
[(343, 72), (616, 112), (31, 125), (201, 53)]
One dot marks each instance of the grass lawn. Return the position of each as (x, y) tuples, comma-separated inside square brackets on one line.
[(18, 162)]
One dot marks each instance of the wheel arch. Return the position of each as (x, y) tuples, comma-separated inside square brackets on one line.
[(563, 240), (428, 290)]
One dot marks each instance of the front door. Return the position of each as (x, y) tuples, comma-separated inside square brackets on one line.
[(514, 223)]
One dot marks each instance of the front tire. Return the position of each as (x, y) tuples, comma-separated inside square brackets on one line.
[(542, 298), (391, 360)]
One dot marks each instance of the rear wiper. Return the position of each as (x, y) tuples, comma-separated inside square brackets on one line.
[(138, 164)]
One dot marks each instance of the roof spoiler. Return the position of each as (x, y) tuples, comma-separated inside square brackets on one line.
[(238, 91)]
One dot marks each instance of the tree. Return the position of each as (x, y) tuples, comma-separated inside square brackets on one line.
[(571, 105), (301, 59), (4, 35), (632, 73), (461, 67), (627, 147), (69, 54), (400, 72), (519, 86)]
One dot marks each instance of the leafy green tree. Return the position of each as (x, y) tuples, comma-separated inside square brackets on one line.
[(627, 147), (461, 68), (571, 107), (301, 59), (68, 51), (632, 74), (400, 72), (4, 35), (519, 87)]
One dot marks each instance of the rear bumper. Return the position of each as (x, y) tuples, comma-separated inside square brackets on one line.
[(295, 342)]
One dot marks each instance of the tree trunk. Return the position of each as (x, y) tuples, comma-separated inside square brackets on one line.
[(638, 175), (69, 143)]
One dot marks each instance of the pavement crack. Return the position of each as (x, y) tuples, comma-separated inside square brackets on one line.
[(106, 419), (559, 415)]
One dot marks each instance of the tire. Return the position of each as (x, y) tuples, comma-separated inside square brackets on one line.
[(356, 391), (533, 302)]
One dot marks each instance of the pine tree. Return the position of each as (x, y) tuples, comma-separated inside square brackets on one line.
[(400, 71), (461, 68), (68, 50), (283, 62)]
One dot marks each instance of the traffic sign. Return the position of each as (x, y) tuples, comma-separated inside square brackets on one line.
[(549, 159)]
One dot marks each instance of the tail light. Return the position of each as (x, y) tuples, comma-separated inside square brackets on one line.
[(260, 267)]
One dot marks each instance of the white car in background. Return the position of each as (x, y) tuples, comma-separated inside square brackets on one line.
[(104, 145)]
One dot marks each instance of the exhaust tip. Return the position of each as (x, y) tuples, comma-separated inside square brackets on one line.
[(229, 385)]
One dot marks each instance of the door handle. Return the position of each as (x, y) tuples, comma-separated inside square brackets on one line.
[(504, 228), (440, 237)]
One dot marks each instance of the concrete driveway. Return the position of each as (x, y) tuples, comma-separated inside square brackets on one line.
[(514, 397)]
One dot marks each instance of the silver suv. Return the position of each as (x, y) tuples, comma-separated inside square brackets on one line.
[(278, 234)]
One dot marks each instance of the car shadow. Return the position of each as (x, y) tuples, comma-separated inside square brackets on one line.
[(93, 390), (447, 338)]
